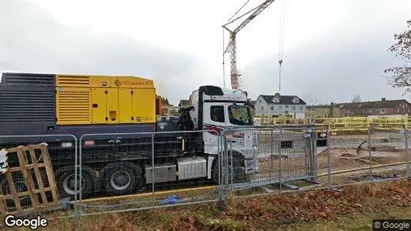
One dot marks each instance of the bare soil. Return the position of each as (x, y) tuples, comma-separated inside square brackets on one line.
[(308, 210)]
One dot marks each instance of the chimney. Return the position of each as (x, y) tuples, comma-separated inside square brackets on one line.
[(383, 99)]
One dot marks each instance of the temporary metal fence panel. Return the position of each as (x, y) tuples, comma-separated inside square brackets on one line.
[(370, 156), (134, 171), (282, 153), (62, 150)]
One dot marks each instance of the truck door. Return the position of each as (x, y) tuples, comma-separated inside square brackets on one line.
[(214, 117)]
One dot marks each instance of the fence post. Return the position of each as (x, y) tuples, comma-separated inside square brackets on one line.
[(225, 166), (76, 186), (152, 168), (231, 166), (369, 151), (313, 154), (271, 152), (80, 178), (221, 183), (279, 158), (329, 158), (220, 149), (407, 158)]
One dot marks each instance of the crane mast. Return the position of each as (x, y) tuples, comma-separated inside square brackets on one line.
[(232, 47)]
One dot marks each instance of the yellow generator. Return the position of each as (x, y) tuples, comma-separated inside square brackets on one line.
[(104, 100)]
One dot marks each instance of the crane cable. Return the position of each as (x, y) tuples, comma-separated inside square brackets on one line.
[(238, 11), (224, 60), (281, 44)]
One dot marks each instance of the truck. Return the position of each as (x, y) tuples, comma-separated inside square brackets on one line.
[(111, 126)]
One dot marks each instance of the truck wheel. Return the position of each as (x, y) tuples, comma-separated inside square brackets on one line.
[(20, 186), (66, 181), (239, 172), (215, 171), (121, 178)]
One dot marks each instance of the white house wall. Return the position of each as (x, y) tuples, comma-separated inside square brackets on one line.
[(262, 108), (260, 103)]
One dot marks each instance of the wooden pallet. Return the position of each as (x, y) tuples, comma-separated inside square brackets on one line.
[(34, 166)]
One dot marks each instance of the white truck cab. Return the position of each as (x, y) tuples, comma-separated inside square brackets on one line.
[(217, 109)]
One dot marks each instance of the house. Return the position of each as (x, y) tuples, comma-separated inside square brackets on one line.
[(382, 107), (330, 110), (253, 102), (280, 105), (170, 110), (183, 103)]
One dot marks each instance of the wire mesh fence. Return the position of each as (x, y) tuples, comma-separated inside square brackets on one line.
[(374, 155), (146, 170), (31, 165), (283, 154), (134, 171)]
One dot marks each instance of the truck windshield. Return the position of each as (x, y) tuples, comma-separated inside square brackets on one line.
[(239, 115)]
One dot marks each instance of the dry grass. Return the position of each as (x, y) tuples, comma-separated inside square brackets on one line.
[(309, 210)]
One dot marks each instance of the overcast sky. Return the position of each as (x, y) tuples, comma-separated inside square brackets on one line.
[(332, 49)]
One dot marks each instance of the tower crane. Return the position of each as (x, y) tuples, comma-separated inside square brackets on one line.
[(231, 47)]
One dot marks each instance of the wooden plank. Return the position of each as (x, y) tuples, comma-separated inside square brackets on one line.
[(50, 173), (38, 175), (15, 169), (39, 165), (13, 191), (29, 166), (28, 178), (3, 206), (21, 194)]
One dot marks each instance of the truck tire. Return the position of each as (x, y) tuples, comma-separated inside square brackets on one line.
[(65, 177), (121, 178), (239, 171), (239, 174), (215, 171), (20, 186)]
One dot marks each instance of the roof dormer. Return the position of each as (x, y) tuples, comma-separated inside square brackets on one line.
[(296, 100), (276, 99)]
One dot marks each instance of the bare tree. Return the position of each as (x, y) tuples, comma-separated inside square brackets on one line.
[(400, 76), (356, 98)]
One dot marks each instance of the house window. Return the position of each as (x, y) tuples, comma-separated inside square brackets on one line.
[(301, 108), (280, 107), (217, 113), (272, 108), (286, 106), (262, 108), (295, 100), (292, 107)]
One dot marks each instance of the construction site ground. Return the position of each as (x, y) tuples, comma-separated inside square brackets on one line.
[(348, 208), (308, 209)]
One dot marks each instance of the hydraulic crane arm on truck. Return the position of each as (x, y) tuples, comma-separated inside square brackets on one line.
[(42, 106)]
